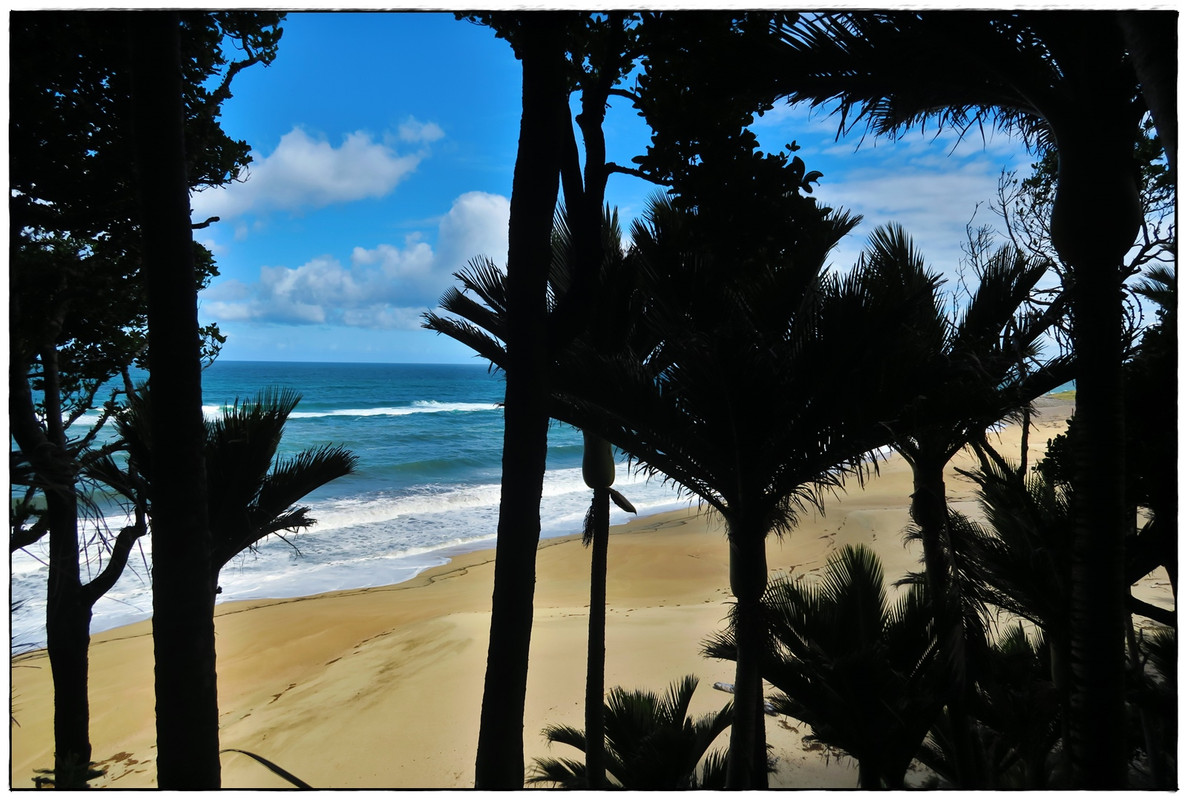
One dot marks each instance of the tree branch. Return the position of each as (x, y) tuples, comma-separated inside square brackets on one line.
[(23, 537), (612, 168), (634, 98), (1160, 615), (116, 563)]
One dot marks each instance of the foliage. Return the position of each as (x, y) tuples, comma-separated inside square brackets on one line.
[(1016, 720), (1025, 204), (651, 743), (1018, 560), (856, 666), (76, 282), (251, 492), (78, 315), (1067, 82)]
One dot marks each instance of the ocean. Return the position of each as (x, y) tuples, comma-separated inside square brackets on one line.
[(429, 440)]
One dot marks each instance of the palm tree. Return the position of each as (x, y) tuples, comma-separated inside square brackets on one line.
[(251, 492), (1064, 81), (755, 385), (860, 669), (651, 743), (483, 326), (597, 469), (981, 373)]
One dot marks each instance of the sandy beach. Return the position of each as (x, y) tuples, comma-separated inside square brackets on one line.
[(381, 688)]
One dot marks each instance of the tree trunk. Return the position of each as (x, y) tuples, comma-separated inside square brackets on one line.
[(1098, 589), (929, 510), (183, 625), (1094, 221), (500, 759), (868, 777), (595, 669), (67, 615), (1150, 38), (746, 761)]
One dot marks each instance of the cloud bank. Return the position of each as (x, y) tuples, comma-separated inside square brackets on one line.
[(387, 287)]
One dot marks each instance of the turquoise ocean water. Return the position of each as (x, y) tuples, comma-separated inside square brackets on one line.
[(429, 440)]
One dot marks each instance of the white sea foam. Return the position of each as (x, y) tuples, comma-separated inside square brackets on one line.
[(358, 542), (419, 407)]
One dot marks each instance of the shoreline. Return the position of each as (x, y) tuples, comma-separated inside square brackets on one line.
[(381, 687)]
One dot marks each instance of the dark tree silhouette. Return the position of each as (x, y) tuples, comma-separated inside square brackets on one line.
[(183, 628), (984, 368), (537, 44), (707, 337), (597, 52), (78, 295), (251, 492)]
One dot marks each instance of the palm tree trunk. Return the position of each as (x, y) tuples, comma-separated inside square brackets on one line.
[(746, 762), (500, 759), (595, 669), (183, 626), (929, 509)]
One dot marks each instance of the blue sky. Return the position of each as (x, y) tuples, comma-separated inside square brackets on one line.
[(384, 145)]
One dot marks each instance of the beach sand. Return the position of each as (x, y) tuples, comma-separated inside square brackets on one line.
[(381, 688)]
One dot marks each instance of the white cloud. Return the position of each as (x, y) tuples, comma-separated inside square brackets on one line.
[(386, 287), (476, 223), (305, 172), (413, 130), (934, 201)]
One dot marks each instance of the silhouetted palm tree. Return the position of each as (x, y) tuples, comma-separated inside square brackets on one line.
[(1064, 81), (755, 385), (983, 369), (651, 743), (858, 667), (597, 468)]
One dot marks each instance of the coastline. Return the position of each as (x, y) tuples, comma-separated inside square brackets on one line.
[(381, 687)]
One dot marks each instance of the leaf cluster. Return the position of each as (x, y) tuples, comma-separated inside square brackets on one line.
[(651, 743), (858, 667), (76, 260)]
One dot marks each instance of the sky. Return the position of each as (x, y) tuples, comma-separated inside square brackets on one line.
[(383, 148)]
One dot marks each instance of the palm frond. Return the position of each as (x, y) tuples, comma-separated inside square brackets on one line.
[(878, 69), (297, 476), (651, 742)]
